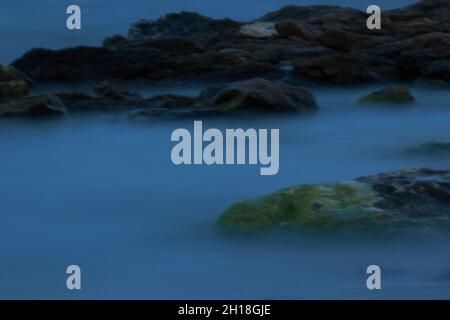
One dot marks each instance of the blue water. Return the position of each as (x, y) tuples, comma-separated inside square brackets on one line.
[(26, 24), (101, 192)]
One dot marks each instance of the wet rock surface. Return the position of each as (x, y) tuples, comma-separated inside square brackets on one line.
[(250, 96), (390, 96), (41, 106), (326, 44), (415, 200)]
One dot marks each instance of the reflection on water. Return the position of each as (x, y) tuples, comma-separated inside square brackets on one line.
[(102, 193)]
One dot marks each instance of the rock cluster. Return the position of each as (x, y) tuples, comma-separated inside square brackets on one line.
[(325, 44)]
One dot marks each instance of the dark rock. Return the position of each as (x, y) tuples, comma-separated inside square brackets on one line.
[(170, 101), (181, 25), (41, 106), (115, 92), (13, 88), (342, 68), (326, 44), (438, 70), (114, 41), (90, 63), (292, 28), (9, 73), (392, 95), (109, 97), (262, 95)]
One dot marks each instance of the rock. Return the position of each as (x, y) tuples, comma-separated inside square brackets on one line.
[(109, 97), (90, 63), (261, 95), (341, 68), (181, 25), (392, 95), (42, 106), (259, 30), (292, 28), (405, 200), (115, 92), (149, 114), (432, 148), (114, 41), (171, 101), (326, 44), (9, 73), (13, 88), (256, 95), (438, 70)]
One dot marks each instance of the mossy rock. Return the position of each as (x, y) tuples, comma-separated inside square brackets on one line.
[(312, 206), (414, 199), (392, 95)]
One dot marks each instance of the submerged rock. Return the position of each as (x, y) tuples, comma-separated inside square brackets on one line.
[(171, 101), (41, 106), (110, 91), (432, 148), (411, 199), (250, 96), (392, 95), (108, 97), (261, 95)]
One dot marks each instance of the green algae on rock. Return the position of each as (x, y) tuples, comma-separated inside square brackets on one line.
[(392, 95), (401, 200)]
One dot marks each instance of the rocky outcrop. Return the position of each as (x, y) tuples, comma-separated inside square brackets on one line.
[(407, 200), (42, 106), (249, 96), (184, 24), (108, 97), (391, 95), (326, 44)]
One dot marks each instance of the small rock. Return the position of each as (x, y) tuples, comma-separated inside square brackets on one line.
[(261, 95), (392, 95), (33, 107)]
